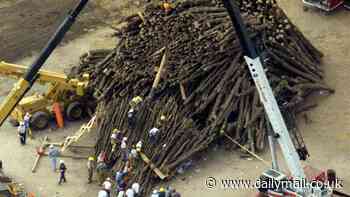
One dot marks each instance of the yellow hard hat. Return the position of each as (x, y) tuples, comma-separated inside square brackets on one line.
[(161, 189), (91, 158)]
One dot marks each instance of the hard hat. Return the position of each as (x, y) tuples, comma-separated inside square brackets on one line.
[(61, 161), (51, 146), (125, 138), (155, 191), (91, 158), (161, 189), (108, 179), (21, 123), (162, 117)]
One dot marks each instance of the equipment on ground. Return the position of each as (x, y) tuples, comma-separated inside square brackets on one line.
[(324, 5), (69, 93), (31, 75), (279, 184), (39, 153)]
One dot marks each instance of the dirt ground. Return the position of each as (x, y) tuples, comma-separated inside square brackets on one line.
[(327, 137)]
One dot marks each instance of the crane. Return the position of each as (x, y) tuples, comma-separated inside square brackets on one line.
[(280, 133), (70, 93), (32, 73)]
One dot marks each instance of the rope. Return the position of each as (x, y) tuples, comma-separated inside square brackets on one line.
[(250, 152)]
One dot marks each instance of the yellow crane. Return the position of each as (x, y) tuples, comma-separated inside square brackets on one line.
[(70, 93), (32, 73)]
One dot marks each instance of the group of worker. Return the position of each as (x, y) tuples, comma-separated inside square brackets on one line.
[(129, 156), (120, 182), (24, 128), (53, 155)]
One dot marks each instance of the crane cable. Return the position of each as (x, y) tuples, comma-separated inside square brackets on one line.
[(246, 149)]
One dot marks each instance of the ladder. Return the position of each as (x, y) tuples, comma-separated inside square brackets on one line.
[(85, 128)]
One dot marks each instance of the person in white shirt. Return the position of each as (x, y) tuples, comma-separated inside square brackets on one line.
[(133, 153), (153, 135), (139, 146), (136, 187), (107, 185), (130, 193), (121, 194), (154, 193), (102, 193)]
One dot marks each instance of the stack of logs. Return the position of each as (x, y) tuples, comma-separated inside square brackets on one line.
[(205, 86)]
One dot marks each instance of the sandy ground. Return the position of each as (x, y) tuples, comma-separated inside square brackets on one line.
[(327, 137)]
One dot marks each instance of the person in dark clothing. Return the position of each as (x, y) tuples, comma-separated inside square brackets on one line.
[(22, 133), (132, 118), (62, 169), (161, 192)]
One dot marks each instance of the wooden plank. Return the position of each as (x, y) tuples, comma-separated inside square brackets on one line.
[(85, 128), (37, 159), (70, 156), (160, 174), (183, 92)]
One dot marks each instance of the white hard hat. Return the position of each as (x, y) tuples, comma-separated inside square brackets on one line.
[(51, 146), (108, 179), (125, 138), (21, 123), (61, 161), (155, 191)]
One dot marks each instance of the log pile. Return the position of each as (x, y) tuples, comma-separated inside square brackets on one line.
[(204, 87)]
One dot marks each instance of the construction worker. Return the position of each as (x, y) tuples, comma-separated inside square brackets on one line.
[(101, 171), (136, 187), (62, 169), (22, 133), (103, 193), (130, 193), (53, 154), (123, 146), (135, 102), (121, 193), (161, 192), (102, 157), (168, 191), (114, 138), (91, 165), (133, 153), (153, 135), (167, 7), (155, 193), (107, 185), (132, 118), (26, 120), (161, 122), (139, 146)]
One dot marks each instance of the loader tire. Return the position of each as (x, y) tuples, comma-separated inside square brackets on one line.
[(74, 111), (40, 120)]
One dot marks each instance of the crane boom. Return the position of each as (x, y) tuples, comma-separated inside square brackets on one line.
[(265, 92), (272, 110), (25, 83)]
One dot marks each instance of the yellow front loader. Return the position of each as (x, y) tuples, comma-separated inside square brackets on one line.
[(69, 93)]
